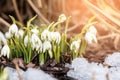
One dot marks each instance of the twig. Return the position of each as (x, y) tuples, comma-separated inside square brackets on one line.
[(37, 11), (4, 22), (111, 18), (15, 62), (39, 3), (16, 10), (18, 71)]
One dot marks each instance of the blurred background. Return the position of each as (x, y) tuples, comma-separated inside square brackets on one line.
[(107, 14)]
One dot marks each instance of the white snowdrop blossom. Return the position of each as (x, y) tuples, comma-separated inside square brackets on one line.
[(113, 59), (35, 31), (7, 35), (5, 51), (75, 45), (13, 30), (20, 33), (89, 37), (36, 43), (54, 36), (47, 47), (92, 30), (45, 34), (62, 18), (2, 39), (26, 40)]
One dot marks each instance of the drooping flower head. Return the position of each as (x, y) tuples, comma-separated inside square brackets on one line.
[(13, 30), (62, 18), (45, 34), (5, 51), (90, 36), (54, 36), (3, 40), (47, 46), (7, 35), (92, 30), (75, 45), (36, 43)]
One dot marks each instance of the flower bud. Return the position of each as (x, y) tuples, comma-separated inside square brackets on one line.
[(62, 18)]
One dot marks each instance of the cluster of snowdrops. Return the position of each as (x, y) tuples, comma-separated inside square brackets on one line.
[(45, 43)]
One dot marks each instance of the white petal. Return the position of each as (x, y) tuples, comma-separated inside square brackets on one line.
[(20, 33), (89, 37), (75, 45), (13, 30), (26, 40), (44, 35), (93, 30), (47, 46), (36, 42), (35, 31), (2, 38), (8, 35), (5, 51)]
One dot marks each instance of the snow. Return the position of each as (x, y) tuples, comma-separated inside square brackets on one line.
[(81, 69), (30, 74)]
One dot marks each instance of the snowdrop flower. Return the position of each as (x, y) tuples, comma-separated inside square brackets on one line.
[(92, 30), (7, 35), (13, 30), (113, 59), (62, 18), (54, 36), (35, 31), (45, 34), (5, 51), (36, 43), (47, 47), (2, 39), (26, 40), (89, 37), (75, 45), (20, 33)]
